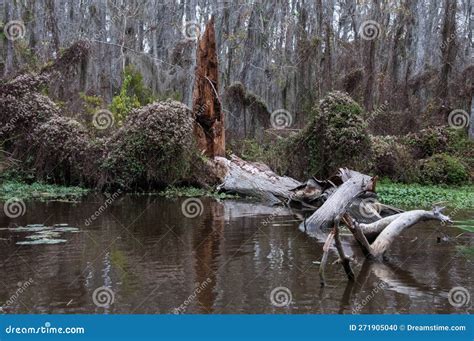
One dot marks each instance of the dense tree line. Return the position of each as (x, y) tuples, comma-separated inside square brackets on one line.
[(412, 58)]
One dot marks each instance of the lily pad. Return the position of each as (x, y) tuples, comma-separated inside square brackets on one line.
[(66, 229), (44, 241), (44, 235), (27, 228)]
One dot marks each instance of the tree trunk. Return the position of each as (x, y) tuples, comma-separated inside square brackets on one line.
[(209, 118), (253, 179), (471, 124)]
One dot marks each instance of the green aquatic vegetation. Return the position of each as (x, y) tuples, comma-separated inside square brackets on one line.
[(415, 195), (468, 228), (175, 192), (37, 190), (42, 234)]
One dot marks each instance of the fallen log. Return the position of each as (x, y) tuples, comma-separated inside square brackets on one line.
[(253, 179)]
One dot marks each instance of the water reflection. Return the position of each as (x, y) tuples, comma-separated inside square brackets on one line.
[(226, 260)]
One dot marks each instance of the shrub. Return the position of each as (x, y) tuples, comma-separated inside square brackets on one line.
[(443, 168), (337, 136), (428, 142), (64, 152), (136, 86), (133, 94), (154, 147), (392, 159), (124, 103)]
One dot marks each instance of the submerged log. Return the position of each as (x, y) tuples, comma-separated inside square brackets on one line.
[(207, 109)]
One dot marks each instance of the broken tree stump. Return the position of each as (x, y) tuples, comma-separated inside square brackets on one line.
[(208, 115)]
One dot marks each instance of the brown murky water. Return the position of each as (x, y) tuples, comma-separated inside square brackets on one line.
[(229, 259)]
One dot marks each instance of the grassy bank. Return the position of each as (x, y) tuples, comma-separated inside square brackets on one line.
[(397, 194), (424, 196), (40, 191)]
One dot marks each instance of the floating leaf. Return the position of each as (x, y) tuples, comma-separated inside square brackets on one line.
[(66, 229), (44, 241), (28, 228), (44, 235)]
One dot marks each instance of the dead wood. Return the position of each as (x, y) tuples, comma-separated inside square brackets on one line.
[(391, 227), (345, 261), (253, 179), (324, 259), (354, 184), (209, 117)]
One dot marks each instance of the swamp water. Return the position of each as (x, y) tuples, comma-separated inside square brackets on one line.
[(147, 254)]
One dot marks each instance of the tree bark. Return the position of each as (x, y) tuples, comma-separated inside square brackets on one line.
[(389, 228), (354, 184), (253, 179), (209, 117), (471, 121)]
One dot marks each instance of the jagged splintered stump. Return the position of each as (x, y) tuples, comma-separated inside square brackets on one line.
[(209, 118)]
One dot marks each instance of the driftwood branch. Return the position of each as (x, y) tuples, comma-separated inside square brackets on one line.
[(345, 261), (324, 259), (387, 229), (404, 221)]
